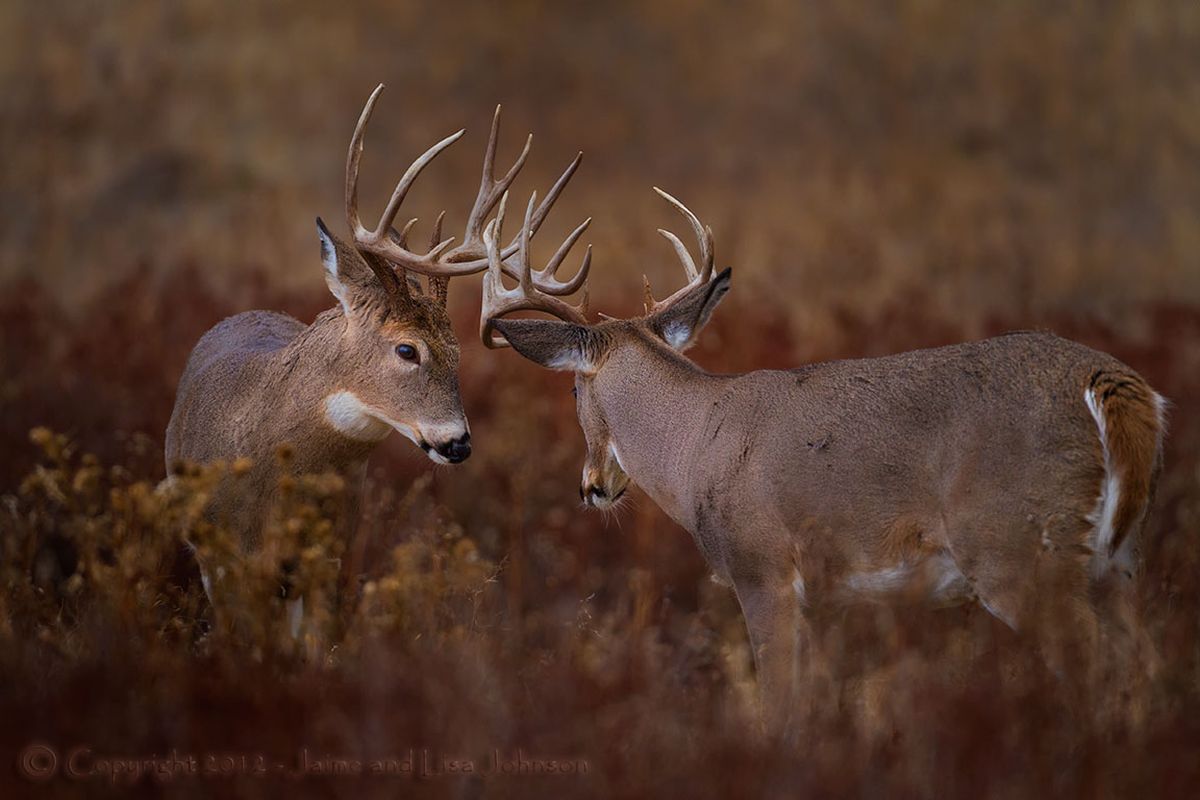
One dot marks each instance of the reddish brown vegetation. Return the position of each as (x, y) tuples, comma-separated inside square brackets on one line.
[(501, 615), (889, 176)]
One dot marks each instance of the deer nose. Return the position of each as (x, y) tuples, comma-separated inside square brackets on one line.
[(456, 450)]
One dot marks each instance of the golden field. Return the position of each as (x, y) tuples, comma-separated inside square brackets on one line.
[(882, 177)]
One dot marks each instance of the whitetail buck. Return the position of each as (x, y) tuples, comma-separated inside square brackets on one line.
[(383, 359), (1016, 471)]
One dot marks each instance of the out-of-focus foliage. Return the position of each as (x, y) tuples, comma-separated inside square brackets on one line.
[(478, 607), (1017, 155)]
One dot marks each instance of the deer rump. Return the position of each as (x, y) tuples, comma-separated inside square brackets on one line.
[(947, 474)]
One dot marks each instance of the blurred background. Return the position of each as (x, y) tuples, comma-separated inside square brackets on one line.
[(990, 157), (882, 176)]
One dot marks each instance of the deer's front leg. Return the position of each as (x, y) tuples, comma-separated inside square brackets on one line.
[(772, 613)]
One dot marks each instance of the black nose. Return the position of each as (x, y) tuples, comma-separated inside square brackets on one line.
[(596, 493), (457, 450)]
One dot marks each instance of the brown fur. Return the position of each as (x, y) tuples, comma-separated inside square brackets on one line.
[(1134, 436), (259, 380), (957, 473)]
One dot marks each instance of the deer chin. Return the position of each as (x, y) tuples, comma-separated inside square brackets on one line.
[(354, 419)]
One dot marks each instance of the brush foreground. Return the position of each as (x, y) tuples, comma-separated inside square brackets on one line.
[(882, 179), (487, 617)]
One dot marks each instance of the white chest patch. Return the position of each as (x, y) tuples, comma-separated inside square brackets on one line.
[(350, 417)]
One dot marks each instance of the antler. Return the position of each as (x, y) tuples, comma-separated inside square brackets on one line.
[(704, 235), (526, 295), (470, 256)]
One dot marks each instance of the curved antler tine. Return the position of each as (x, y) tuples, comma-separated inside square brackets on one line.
[(552, 196), (703, 236), (696, 276), (493, 287), (401, 238), (524, 269), (572, 286), (511, 175), (526, 295), (544, 279), (439, 285), (443, 260), (499, 220), (353, 158), (490, 189), (435, 236), (681, 250), (552, 266), (492, 276), (696, 224), (489, 154), (410, 176), (710, 252)]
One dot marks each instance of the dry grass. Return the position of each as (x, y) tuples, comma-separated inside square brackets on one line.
[(904, 177)]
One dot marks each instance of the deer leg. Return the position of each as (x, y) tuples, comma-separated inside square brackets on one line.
[(1042, 588), (772, 614), (295, 615)]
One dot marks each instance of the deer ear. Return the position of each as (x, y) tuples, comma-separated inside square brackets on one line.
[(551, 343), (679, 324), (331, 258)]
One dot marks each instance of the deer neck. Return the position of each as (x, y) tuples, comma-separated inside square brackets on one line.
[(655, 403), (301, 377)]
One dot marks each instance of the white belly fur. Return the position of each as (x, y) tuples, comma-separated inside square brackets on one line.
[(935, 580)]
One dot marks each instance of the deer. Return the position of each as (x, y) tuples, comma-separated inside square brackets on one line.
[(384, 358), (1015, 472)]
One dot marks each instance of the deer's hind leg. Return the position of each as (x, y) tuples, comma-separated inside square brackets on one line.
[(1034, 574)]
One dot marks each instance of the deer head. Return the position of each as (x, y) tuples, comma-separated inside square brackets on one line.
[(603, 356), (397, 353)]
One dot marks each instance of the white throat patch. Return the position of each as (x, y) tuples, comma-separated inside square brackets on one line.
[(355, 420)]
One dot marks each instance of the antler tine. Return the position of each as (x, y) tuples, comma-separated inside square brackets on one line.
[(383, 241), (545, 278), (470, 256), (526, 295), (352, 162), (704, 236), (439, 285), (523, 263), (401, 238), (490, 192), (551, 198), (681, 250), (409, 177)]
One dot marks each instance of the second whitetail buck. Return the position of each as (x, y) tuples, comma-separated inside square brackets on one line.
[(1015, 471), (383, 359)]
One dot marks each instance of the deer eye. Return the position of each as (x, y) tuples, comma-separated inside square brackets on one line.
[(407, 352)]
